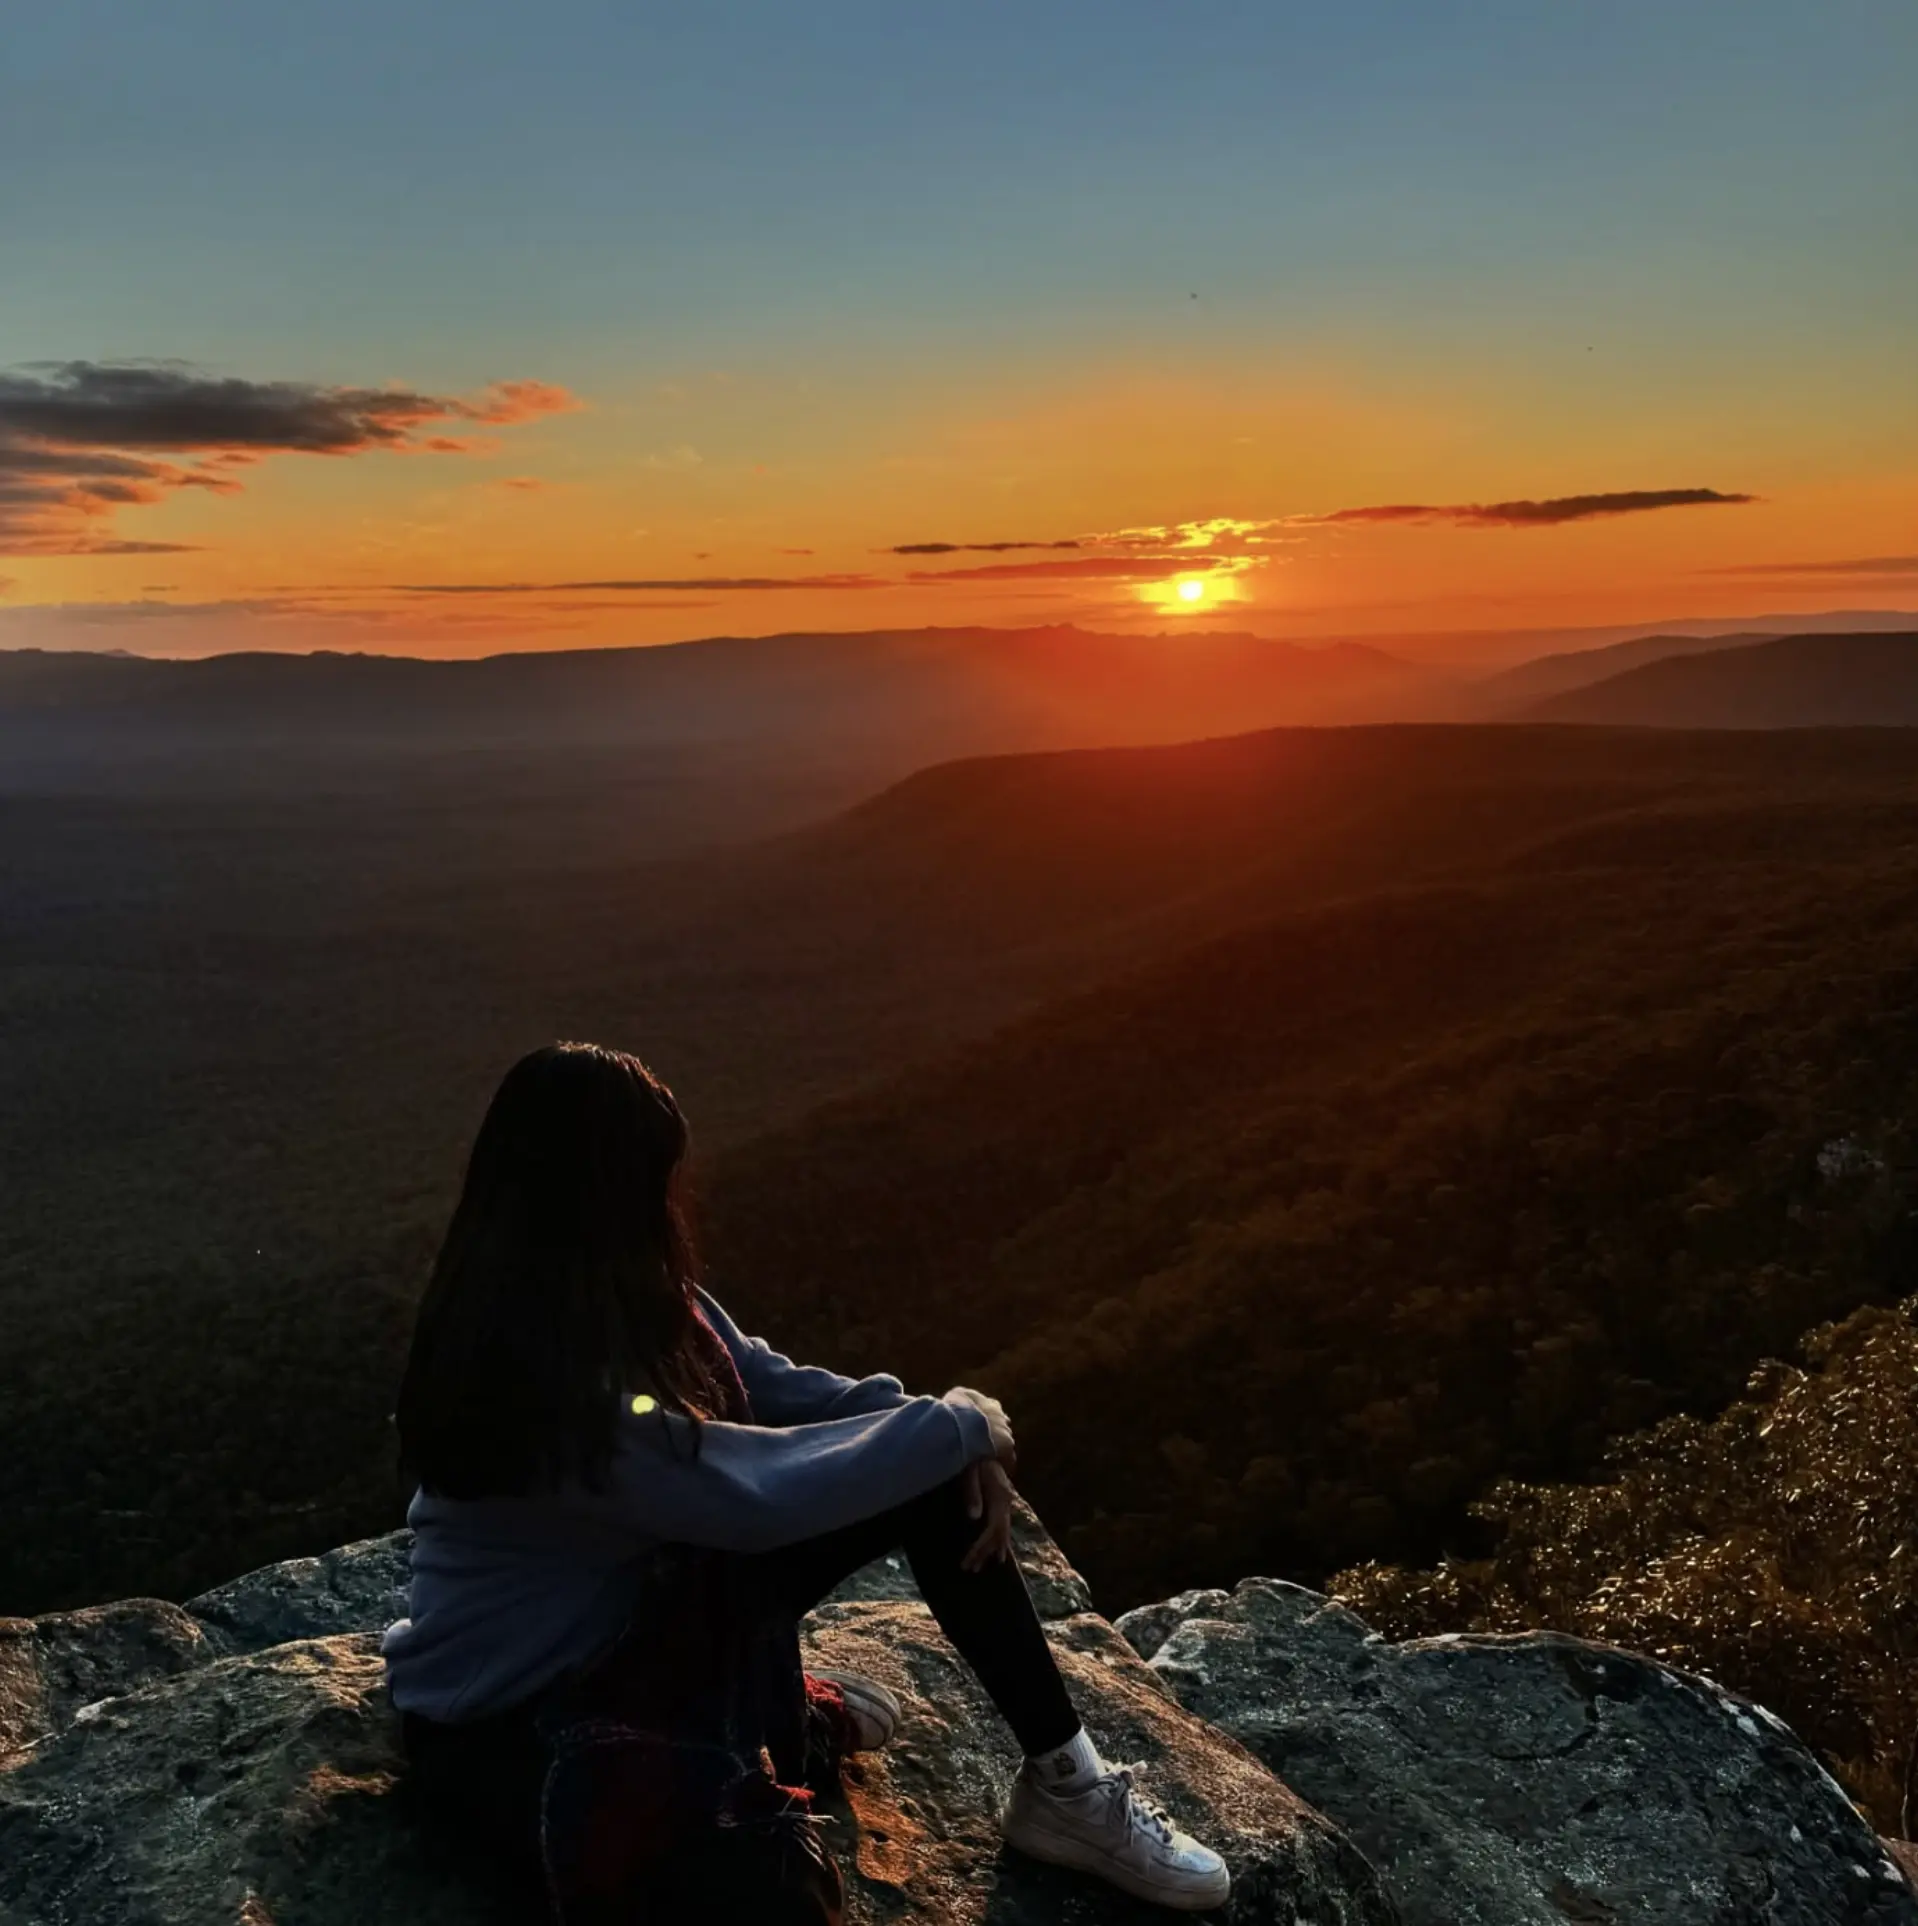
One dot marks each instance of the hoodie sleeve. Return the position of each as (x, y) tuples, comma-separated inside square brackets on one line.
[(785, 1393), (754, 1488)]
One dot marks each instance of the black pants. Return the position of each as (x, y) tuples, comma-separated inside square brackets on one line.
[(986, 1615)]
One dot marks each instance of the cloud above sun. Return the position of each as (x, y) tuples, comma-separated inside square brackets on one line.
[(973, 548), (1195, 534), (81, 441), (1224, 545), (1171, 564), (1142, 568), (1131, 550), (1550, 513)]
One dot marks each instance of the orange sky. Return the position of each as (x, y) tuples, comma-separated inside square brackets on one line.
[(664, 341), (719, 503)]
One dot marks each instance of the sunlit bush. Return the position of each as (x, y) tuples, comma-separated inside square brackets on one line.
[(1772, 1548)]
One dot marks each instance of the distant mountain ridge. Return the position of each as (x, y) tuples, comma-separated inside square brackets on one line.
[(1782, 682), (1550, 675), (897, 700), (948, 691)]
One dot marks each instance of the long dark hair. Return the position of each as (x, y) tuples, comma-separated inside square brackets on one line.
[(566, 1281)]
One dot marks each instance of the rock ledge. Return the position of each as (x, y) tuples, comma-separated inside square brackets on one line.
[(1527, 1780), (234, 1762)]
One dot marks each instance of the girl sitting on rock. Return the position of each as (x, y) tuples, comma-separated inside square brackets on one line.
[(626, 1506)]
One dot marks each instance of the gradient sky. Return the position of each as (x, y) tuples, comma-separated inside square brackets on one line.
[(452, 328)]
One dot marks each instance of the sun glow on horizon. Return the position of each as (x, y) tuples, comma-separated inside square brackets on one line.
[(1188, 594)]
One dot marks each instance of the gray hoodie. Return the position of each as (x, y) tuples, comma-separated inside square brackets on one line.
[(510, 1593)]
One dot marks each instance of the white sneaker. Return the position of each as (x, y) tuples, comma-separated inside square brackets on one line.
[(874, 1712), (1114, 1830)]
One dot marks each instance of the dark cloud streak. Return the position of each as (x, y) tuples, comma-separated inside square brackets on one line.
[(170, 405), (81, 440), (1551, 513), (1095, 567), (972, 548), (689, 584)]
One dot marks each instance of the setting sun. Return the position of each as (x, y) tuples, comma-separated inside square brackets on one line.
[(1191, 591)]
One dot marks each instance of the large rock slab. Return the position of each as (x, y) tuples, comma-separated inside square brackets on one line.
[(1531, 1780), (252, 1791), (54, 1667), (267, 1789), (355, 1588), (921, 1839)]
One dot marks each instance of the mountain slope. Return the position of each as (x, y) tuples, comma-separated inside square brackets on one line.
[(1794, 682), (1550, 675), (1281, 1249), (1078, 1021)]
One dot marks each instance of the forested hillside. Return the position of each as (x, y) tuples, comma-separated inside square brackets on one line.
[(1513, 690), (1302, 1130), (1283, 1250)]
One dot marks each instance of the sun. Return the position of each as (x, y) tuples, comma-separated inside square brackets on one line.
[(1190, 595)]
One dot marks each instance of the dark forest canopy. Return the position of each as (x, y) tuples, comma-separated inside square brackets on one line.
[(1303, 1131), (1286, 1248)]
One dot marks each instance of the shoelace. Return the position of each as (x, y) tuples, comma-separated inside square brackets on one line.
[(1145, 1812)]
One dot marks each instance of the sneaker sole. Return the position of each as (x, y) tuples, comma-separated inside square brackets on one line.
[(868, 1699), (1059, 1850)]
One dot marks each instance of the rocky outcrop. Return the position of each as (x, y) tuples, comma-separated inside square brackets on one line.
[(921, 1843), (53, 1668), (261, 1790), (1531, 1780), (357, 1588), (236, 1764)]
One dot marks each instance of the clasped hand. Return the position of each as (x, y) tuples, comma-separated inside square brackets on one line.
[(988, 1482)]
